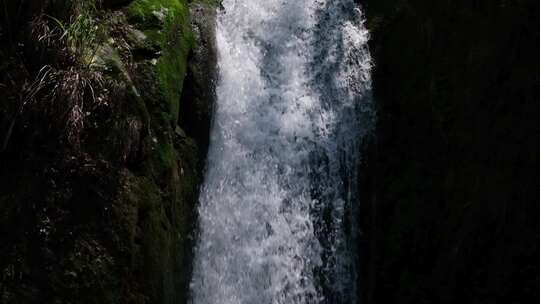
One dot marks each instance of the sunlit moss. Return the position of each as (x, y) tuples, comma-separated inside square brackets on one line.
[(167, 23)]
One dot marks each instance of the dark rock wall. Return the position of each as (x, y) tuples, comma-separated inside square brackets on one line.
[(452, 186), (199, 91), (98, 183)]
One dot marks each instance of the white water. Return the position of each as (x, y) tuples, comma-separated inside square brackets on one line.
[(276, 218)]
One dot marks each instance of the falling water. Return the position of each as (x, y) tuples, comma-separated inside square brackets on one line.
[(278, 207)]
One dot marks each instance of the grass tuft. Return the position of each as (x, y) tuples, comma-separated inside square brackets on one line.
[(81, 36)]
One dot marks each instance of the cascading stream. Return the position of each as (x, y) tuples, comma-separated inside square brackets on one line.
[(277, 210)]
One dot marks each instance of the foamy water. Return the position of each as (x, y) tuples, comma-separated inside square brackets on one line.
[(278, 206)]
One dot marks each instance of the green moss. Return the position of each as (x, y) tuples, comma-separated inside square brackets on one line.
[(167, 154), (166, 22), (148, 193)]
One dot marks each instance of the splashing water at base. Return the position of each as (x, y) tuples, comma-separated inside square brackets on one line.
[(277, 210)]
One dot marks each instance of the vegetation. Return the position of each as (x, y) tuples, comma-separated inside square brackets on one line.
[(104, 116), (90, 94)]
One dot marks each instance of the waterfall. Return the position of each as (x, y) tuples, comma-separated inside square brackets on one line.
[(277, 214)]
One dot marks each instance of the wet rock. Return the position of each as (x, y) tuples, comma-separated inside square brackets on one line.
[(106, 220), (451, 215), (198, 97)]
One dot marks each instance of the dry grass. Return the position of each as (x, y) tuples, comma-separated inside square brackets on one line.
[(72, 97), (67, 93), (27, 95)]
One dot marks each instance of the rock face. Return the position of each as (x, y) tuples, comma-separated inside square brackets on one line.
[(98, 182), (199, 91), (452, 215)]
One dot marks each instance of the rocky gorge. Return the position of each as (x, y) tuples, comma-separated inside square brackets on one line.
[(106, 109)]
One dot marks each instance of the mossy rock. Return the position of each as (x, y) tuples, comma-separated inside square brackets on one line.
[(126, 199), (166, 23)]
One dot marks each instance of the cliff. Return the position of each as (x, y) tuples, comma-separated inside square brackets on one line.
[(451, 210), (104, 118), (100, 157)]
